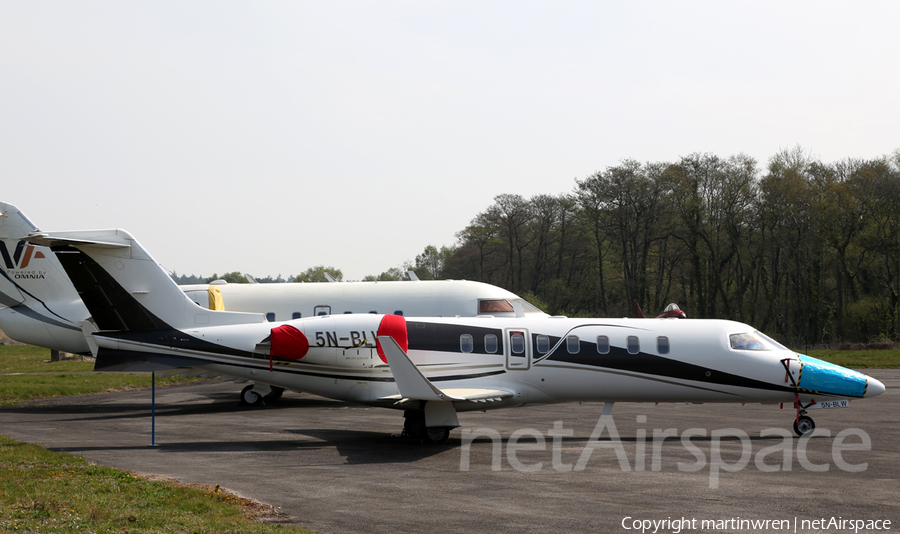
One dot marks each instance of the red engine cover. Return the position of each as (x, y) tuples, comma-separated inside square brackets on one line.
[(394, 326), (288, 342)]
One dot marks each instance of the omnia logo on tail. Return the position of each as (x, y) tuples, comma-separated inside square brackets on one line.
[(20, 259)]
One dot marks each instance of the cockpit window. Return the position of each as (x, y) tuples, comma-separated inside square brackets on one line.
[(494, 306), (528, 307), (490, 306), (754, 341)]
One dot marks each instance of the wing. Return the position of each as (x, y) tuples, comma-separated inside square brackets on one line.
[(414, 386)]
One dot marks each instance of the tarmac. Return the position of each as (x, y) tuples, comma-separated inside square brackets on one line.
[(335, 467)]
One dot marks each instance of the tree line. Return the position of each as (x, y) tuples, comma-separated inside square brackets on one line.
[(804, 250)]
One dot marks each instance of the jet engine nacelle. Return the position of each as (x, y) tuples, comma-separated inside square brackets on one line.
[(337, 340)]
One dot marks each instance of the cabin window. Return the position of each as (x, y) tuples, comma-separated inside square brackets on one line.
[(465, 343), (490, 343), (573, 345), (662, 345), (634, 345), (270, 317), (517, 342), (494, 306), (296, 315), (543, 344), (603, 344)]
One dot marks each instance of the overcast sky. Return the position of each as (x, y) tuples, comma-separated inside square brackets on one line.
[(268, 137)]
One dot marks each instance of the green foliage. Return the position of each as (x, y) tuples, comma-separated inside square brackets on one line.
[(31, 359), (806, 251), (391, 275), (860, 359), (269, 280), (430, 263), (184, 280), (233, 277), (317, 274)]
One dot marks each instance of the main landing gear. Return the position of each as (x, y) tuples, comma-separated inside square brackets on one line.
[(260, 394), (414, 427)]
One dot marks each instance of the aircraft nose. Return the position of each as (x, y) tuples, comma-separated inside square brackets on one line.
[(823, 377), (873, 387)]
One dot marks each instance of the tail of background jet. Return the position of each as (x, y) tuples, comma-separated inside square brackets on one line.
[(124, 288), (38, 303), (14, 253)]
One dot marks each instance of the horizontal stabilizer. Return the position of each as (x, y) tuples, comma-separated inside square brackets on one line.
[(122, 360), (48, 240), (124, 288)]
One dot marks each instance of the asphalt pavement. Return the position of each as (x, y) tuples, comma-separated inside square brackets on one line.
[(335, 467)]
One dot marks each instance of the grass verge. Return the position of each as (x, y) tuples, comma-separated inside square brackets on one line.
[(860, 359), (30, 359), (44, 491), (39, 378)]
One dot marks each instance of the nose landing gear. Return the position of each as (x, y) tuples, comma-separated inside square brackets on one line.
[(803, 424)]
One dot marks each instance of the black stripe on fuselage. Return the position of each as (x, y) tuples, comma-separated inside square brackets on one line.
[(441, 337), (650, 364), (430, 336), (120, 360), (11, 303), (18, 307)]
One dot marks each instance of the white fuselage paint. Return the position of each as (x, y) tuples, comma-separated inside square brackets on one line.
[(696, 347)]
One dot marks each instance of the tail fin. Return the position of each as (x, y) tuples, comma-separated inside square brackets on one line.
[(124, 288), (38, 304), (16, 256), (30, 274)]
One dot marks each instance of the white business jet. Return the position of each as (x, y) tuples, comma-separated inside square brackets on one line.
[(434, 367)]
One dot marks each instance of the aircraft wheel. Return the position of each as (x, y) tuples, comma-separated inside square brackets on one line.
[(414, 423), (250, 397), (275, 394), (804, 425), (437, 435)]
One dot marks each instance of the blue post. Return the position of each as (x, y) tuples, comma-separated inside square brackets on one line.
[(153, 409)]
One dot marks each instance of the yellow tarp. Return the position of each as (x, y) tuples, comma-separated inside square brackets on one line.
[(215, 299)]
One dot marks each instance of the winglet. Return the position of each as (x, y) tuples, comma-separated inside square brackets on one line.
[(410, 381)]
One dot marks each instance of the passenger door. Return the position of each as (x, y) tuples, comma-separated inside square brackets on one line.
[(517, 348)]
